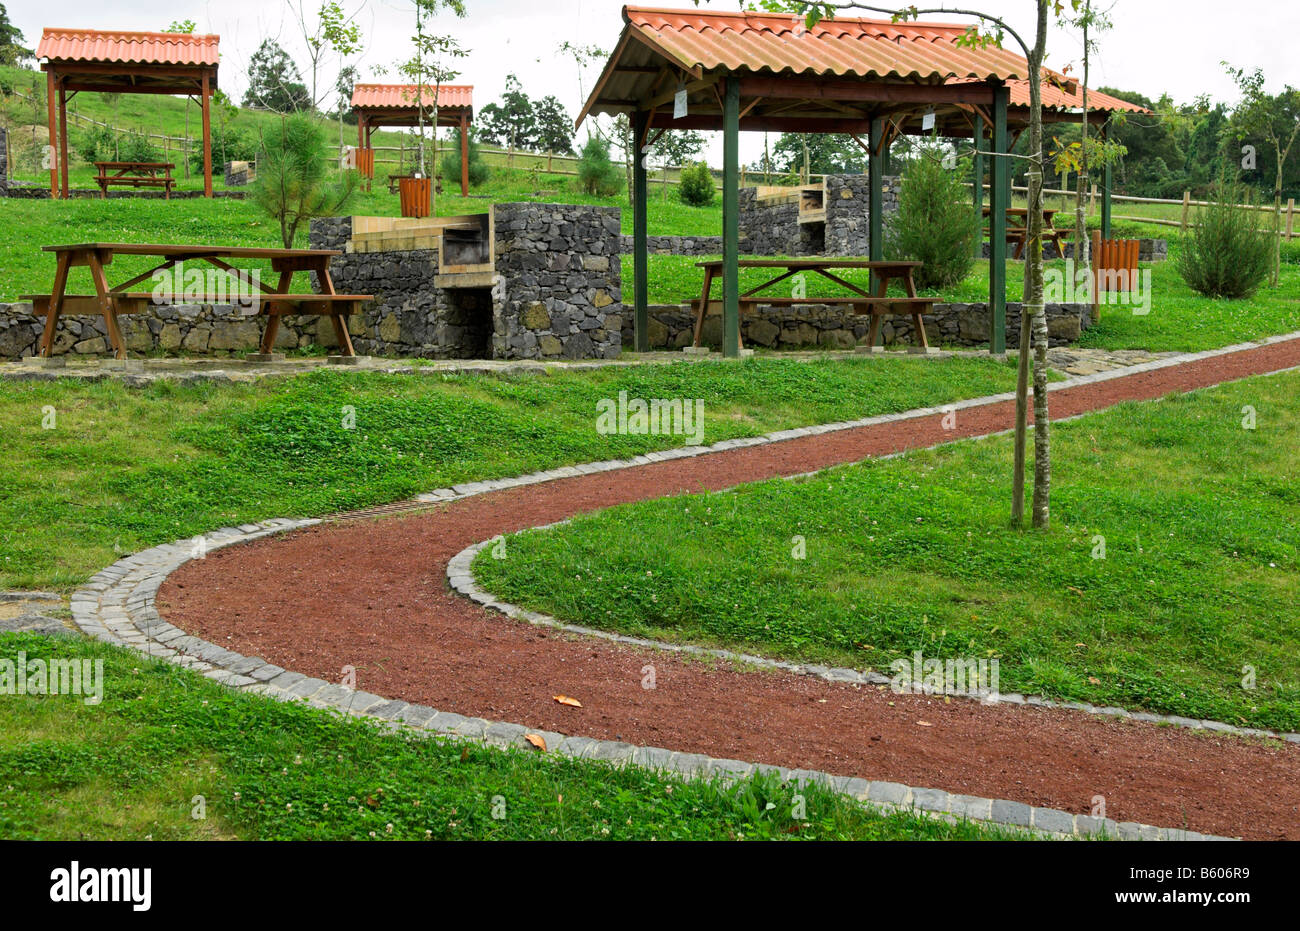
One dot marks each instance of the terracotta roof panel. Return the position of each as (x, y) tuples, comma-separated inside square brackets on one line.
[(400, 96), (154, 48)]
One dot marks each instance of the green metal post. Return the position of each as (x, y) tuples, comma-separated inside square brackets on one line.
[(999, 200), (875, 195), (978, 180), (640, 248), (731, 219), (1105, 191)]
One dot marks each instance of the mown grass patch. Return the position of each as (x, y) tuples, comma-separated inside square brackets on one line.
[(166, 746)]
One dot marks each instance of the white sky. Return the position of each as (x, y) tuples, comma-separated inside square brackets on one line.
[(1155, 46)]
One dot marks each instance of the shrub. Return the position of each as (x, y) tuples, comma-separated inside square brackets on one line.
[(478, 169), (597, 173), (935, 223), (295, 179), (228, 145), (1227, 252), (696, 186), (103, 144)]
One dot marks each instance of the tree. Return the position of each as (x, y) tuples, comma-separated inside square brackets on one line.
[(511, 123), (12, 50), (806, 154), (334, 31), (554, 128), (294, 177), (274, 82), (1275, 120), (1033, 327)]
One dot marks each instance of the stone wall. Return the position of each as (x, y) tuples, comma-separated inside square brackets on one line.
[(561, 280), (198, 329), (847, 212), (678, 245), (835, 327)]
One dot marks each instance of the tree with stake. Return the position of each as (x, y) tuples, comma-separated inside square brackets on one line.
[(1033, 319), (334, 31), (427, 64)]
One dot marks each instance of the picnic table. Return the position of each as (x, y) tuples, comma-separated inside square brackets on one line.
[(876, 304), (135, 174), (1018, 228), (270, 302)]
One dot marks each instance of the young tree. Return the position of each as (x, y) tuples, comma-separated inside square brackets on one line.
[(1033, 328), (274, 82), (334, 30), (293, 176), (1276, 120), (432, 52)]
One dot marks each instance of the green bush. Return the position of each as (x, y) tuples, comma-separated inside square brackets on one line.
[(228, 145), (1227, 252), (478, 169), (935, 223), (696, 186), (597, 173), (102, 144)]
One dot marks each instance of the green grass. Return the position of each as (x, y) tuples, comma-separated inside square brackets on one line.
[(133, 766), (129, 468), (1201, 575)]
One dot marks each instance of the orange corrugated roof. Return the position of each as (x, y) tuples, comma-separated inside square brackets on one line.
[(776, 43), (155, 48), (1057, 98), (399, 96)]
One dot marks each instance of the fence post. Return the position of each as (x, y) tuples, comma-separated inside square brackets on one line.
[(1290, 218), (1187, 206)]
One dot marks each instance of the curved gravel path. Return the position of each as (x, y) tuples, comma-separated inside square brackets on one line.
[(373, 594)]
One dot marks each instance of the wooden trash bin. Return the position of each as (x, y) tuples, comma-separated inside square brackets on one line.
[(415, 194)]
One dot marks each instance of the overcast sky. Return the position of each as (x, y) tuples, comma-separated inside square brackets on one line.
[(1157, 46)]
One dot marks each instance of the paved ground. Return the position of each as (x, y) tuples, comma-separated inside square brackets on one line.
[(1071, 361)]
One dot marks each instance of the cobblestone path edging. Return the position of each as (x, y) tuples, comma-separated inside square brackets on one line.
[(118, 606)]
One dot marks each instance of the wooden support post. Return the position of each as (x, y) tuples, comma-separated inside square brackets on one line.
[(63, 137), (464, 156), (1187, 208), (640, 241), (978, 179), (207, 136), (875, 195), (999, 200), (731, 219), (52, 152), (1105, 188), (1290, 218)]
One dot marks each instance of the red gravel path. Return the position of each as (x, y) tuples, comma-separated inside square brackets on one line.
[(373, 594)]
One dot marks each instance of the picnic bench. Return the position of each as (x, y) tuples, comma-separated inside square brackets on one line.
[(269, 302), (1018, 229), (877, 304), (136, 175)]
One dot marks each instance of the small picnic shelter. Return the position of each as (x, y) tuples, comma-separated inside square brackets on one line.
[(112, 62), (399, 105), (869, 79)]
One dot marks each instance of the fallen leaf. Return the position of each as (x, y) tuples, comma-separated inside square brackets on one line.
[(537, 740), (924, 724), (1094, 680), (566, 700)]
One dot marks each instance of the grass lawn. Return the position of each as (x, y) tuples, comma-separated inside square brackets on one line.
[(1200, 576), (133, 766), (124, 468)]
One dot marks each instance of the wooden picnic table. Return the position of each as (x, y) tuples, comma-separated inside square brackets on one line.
[(272, 302), (1018, 231), (876, 304), (135, 174)]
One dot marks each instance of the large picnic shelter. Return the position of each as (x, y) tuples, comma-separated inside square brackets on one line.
[(399, 105), (111, 62), (870, 79)]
